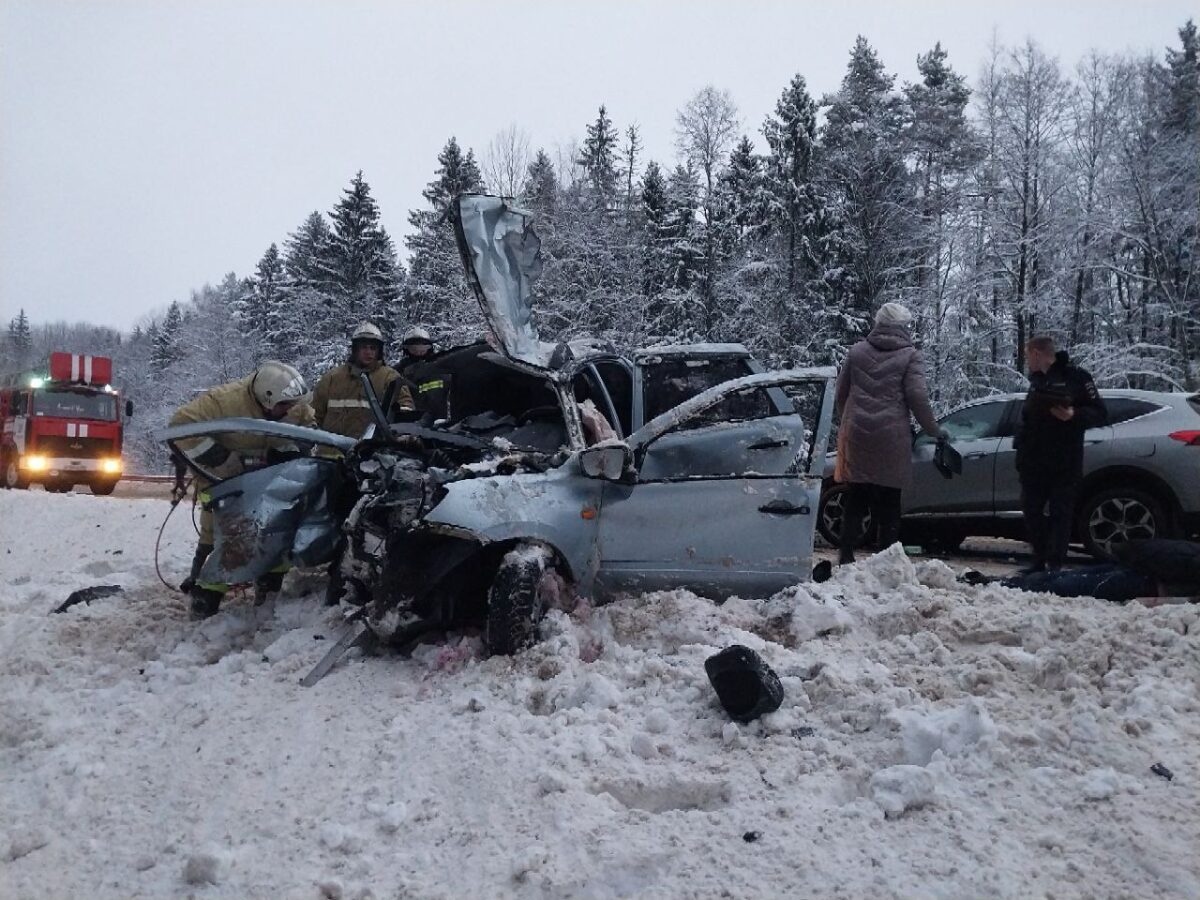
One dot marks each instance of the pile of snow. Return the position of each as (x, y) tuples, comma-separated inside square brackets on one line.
[(935, 740)]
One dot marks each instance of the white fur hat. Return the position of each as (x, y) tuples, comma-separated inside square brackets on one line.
[(893, 314)]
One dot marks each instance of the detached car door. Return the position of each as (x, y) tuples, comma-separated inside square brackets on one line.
[(716, 525), (276, 513)]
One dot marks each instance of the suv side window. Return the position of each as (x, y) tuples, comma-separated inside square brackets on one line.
[(983, 420), (1122, 409)]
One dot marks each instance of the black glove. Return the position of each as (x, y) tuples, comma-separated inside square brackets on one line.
[(179, 488)]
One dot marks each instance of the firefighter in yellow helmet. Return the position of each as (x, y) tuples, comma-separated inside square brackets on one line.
[(274, 391), (340, 402)]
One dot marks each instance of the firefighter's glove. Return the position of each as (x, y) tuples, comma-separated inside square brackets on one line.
[(178, 490)]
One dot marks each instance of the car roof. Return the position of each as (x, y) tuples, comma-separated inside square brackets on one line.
[(1111, 393)]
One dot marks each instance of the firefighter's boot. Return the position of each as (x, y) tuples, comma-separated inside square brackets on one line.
[(266, 586), (205, 602), (202, 552)]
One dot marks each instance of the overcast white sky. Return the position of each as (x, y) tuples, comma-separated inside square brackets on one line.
[(148, 147)]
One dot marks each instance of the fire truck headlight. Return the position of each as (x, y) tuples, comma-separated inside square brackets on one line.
[(111, 466), (34, 463)]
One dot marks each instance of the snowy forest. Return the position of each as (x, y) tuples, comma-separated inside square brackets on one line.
[(1035, 198)]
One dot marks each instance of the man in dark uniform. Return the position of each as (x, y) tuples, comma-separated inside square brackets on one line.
[(1061, 405)]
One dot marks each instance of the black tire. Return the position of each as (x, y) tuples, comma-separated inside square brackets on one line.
[(515, 603), (103, 488), (12, 476), (829, 516), (1116, 515)]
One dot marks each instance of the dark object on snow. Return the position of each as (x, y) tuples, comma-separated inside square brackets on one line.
[(975, 579), (1117, 584), (803, 731), (88, 594), (947, 460), (357, 635), (1162, 771), (1175, 564), (751, 836), (746, 686), (1157, 567), (822, 571)]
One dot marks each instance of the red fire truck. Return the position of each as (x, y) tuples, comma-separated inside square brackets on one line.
[(64, 428)]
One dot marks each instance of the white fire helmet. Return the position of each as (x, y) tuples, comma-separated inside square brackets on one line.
[(417, 335), (367, 332), (277, 382)]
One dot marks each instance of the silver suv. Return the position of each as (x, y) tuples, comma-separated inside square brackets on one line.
[(1141, 476)]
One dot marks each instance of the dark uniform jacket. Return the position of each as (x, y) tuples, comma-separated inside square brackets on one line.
[(1046, 446)]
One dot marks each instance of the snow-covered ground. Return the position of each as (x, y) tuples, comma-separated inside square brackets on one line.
[(935, 741)]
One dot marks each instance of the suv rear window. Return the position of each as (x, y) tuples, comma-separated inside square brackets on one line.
[(1122, 409)]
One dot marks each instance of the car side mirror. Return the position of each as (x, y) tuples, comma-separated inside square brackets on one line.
[(607, 461), (128, 408)]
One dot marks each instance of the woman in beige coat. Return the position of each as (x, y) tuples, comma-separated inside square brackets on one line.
[(880, 388)]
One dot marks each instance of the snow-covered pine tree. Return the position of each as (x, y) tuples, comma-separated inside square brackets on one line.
[(540, 191), (653, 215), (864, 167), (282, 332), (436, 294), (360, 264), (801, 312), (791, 134), (598, 157), (305, 283), (20, 341), (167, 350)]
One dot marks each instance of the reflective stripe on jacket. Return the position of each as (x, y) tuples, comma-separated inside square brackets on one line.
[(233, 400), (341, 404)]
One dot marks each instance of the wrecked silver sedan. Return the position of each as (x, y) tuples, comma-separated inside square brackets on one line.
[(587, 487)]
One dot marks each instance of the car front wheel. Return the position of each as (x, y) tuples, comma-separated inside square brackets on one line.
[(517, 601), (1117, 515)]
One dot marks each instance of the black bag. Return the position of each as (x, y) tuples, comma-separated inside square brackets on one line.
[(948, 460), (746, 686)]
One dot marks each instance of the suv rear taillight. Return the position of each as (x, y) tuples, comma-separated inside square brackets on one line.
[(1192, 438)]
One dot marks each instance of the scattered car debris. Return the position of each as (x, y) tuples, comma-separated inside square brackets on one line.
[(1162, 771), (87, 595), (746, 686)]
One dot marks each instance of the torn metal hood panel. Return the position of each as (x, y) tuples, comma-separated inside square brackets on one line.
[(502, 256)]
